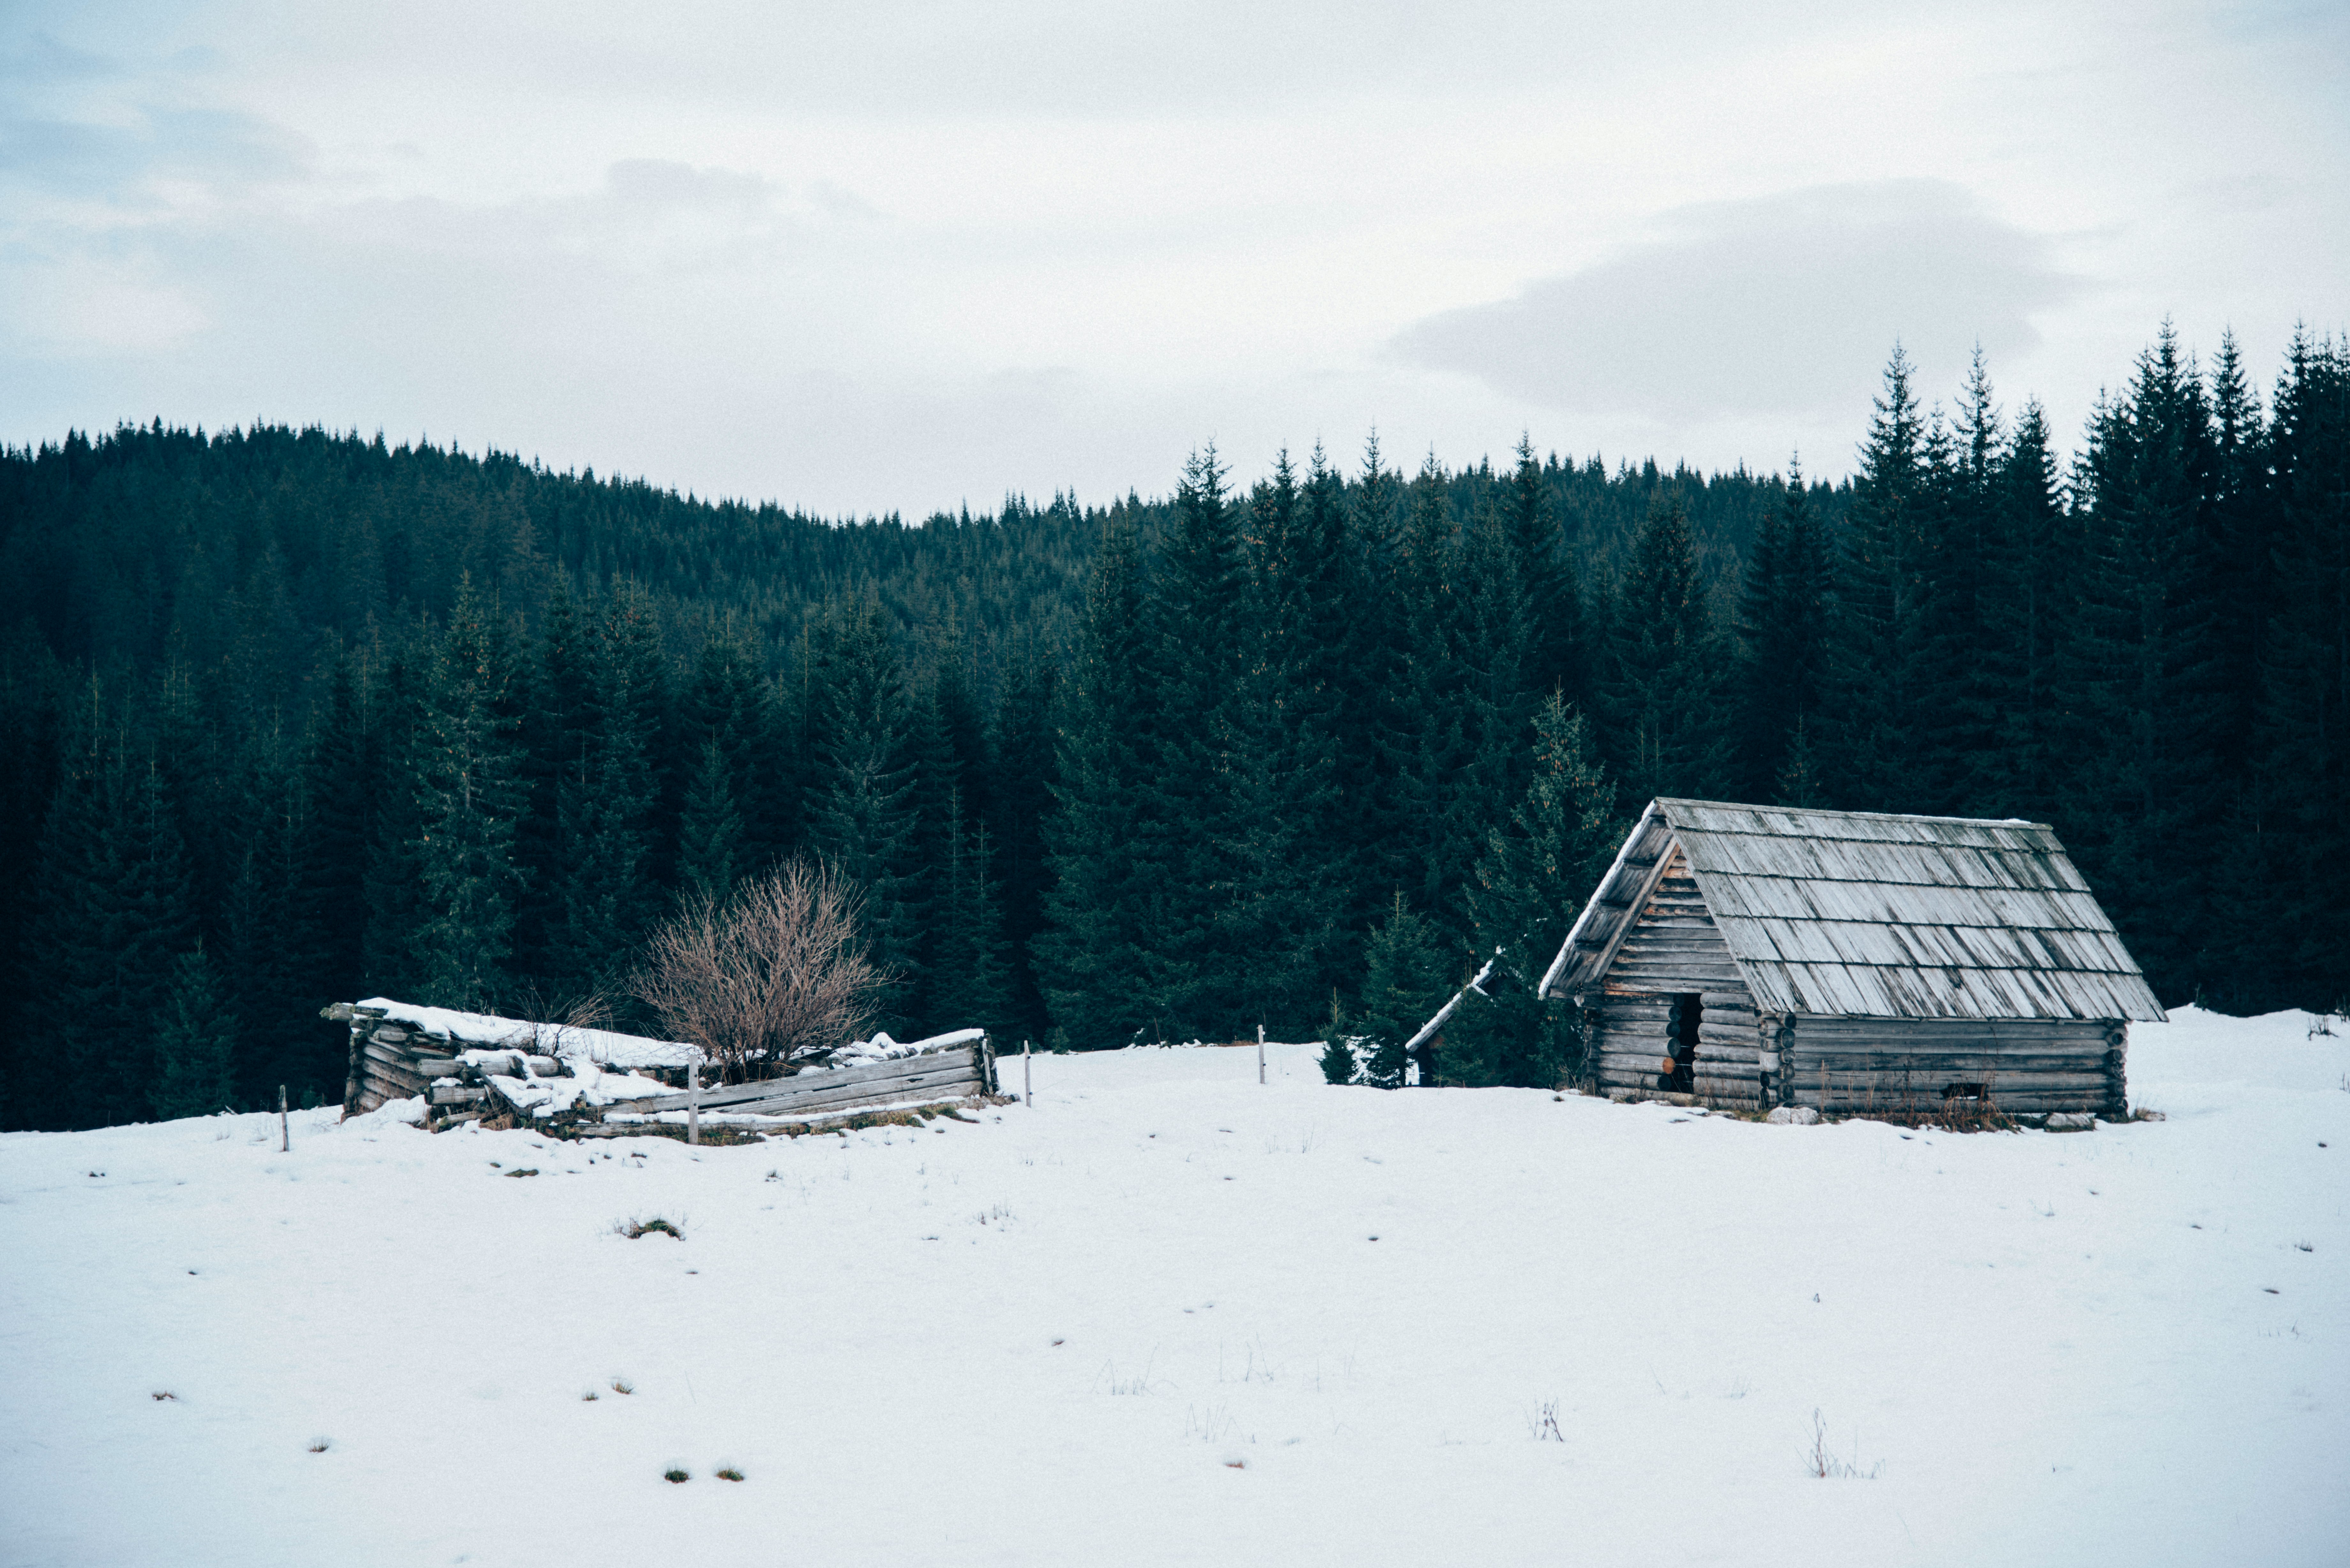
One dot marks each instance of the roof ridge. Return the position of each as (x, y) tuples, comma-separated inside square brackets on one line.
[(1668, 800)]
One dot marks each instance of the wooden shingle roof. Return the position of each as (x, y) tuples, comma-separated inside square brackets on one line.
[(1871, 915)]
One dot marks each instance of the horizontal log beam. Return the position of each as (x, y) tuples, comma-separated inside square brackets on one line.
[(961, 1080), (958, 1058)]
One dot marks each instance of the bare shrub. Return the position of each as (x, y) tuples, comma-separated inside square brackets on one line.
[(768, 975), (555, 1027)]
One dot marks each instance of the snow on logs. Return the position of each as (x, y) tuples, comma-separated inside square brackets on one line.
[(465, 1065)]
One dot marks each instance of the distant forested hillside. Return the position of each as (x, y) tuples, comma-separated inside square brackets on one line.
[(296, 718)]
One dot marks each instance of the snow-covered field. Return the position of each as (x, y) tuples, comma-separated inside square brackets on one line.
[(1170, 1316)]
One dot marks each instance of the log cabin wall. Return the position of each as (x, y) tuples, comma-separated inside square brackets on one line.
[(2020, 1066), (1673, 950)]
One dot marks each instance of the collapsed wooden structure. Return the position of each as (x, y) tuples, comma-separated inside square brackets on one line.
[(1752, 956), (579, 1082)]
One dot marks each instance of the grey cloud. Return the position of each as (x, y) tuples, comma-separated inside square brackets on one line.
[(1777, 305)]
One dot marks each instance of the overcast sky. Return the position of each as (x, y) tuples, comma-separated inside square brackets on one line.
[(899, 256)]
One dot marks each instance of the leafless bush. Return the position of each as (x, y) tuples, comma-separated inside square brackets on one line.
[(547, 1027), (769, 974)]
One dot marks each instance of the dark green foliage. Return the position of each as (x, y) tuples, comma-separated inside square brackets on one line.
[(195, 1044), (866, 816), (1337, 1058), (466, 763), (1537, 872), (970, 979), (1782, 624), (709, 847), (1103, 903), (373, 721), (608, 803), (1879, 630), (1670, 678), (1405, 981)]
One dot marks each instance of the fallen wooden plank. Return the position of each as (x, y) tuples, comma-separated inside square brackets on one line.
[(815, 1082), (965, 1082)]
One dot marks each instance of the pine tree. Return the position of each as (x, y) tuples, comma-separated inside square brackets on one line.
[(270, 957), (1436, 786), (1549, 604), (1960, 705), (195, 1044), (2293, 831), (341, 772), (1024, 766), (971, 984), (606, 802), (392, 890), (2143, 789), (1538, 873), (1669, 664), (469, 802), (1783, 628), (1109, 852), (710, 835), (729, 702), (1404, 984), (2027, 597), (867, 817), (1879, 624)]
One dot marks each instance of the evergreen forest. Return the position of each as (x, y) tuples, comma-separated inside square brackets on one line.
[(295, 718)]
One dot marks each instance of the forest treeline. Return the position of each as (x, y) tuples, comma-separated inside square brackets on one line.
[(298, 718)]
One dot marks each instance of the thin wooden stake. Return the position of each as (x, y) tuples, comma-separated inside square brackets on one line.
[(1260, 1053), (1027, 1079), (694, 1105), (284, 1132)]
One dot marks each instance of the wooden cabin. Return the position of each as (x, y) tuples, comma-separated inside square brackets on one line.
[(1753, 956)]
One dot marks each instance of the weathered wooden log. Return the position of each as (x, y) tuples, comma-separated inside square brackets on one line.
[(954, 1059), (963, 1080), (1969, 1064), (391, 1034), (454, 1095), (1927, 1029)]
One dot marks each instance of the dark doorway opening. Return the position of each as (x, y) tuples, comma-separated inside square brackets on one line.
[(1678, 1073)]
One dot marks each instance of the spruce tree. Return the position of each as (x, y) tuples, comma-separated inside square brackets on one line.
[(729, 702), (1670, 671), (1537, 872), (1023, 757), (1109, 851), (606, 802), (1404, 982), (971, 983), (710, 833), (2029, 592), (2143, 788), (469, 802), (867, 817), (1549, 602), (195, 1044), (1782, 629), (342, 772), (1880, 625), (1199, 580)]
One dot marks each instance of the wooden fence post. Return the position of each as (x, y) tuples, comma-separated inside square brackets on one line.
[(284, 1133), (694, 1105), (1260, 1054), (1027, 1079)]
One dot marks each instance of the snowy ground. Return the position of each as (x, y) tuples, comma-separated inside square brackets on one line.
[(1169, 1317)]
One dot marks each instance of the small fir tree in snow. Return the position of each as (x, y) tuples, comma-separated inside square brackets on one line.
[(196, 1045), (1403, 985)]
